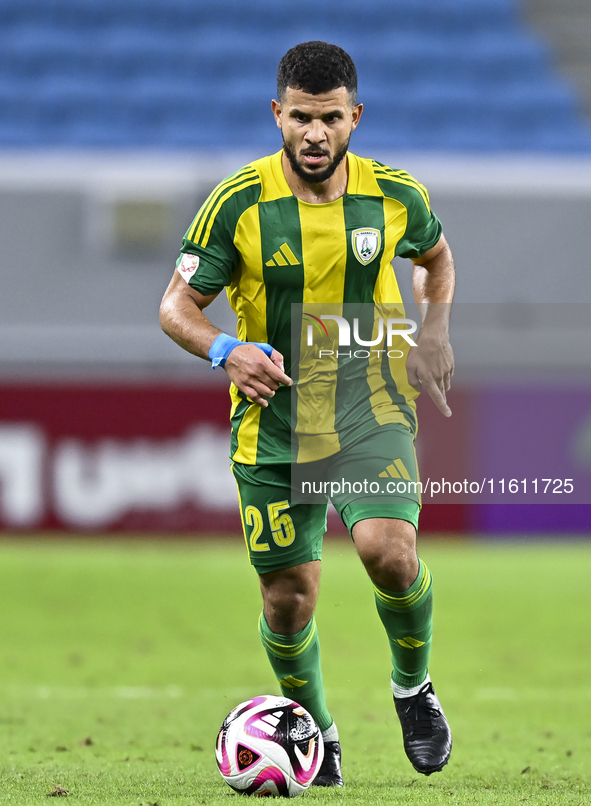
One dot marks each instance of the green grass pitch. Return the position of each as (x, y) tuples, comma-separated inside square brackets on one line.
[(119, 661)]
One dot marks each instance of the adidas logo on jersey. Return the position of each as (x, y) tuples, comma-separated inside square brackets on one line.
[(283, 257), (396, 471)]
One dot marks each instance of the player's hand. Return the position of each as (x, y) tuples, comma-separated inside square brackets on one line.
[(430, 366), (255, 374)]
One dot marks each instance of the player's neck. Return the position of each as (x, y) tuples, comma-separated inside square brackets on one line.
[(321, 193)]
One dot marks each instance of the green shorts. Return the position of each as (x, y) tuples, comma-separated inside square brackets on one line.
[(375, 477)]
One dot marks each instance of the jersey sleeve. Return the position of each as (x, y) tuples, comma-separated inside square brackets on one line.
[(208, 268), (423, 228), (208, 256)]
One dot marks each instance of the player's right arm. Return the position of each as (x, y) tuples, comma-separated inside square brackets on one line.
[(207, 264), (182, 318)]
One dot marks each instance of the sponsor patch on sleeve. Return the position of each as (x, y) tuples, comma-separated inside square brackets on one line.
[(188, 266)]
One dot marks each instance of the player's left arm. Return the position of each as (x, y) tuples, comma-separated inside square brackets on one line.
[(430, 365)]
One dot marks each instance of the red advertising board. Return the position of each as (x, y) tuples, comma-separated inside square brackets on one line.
[(109, 458), (150, 458)]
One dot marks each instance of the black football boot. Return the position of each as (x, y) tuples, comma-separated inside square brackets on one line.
[(329, 773), (426, 734)]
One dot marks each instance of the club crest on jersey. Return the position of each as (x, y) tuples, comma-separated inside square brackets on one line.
[(366, 244)]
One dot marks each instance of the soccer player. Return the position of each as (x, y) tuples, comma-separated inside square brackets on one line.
[(316, 224)]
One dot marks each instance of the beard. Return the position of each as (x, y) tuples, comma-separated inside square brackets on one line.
[(315, 177)]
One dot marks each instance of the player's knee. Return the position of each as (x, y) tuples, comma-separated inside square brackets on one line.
[(394, 568), (289, 598), (387, 549), (288, 612)]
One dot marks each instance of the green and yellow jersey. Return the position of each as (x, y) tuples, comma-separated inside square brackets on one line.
[(271, 250)]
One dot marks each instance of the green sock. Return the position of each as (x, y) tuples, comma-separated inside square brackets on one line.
[(408, 619), (296, 662)]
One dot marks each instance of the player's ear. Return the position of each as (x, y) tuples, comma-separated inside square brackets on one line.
[(357, 112), (276, 108)]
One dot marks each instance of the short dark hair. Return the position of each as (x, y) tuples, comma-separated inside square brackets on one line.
[(317, 67)]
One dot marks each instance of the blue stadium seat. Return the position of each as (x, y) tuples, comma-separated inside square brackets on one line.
[(34, 50), (181, 74), (124, 52), (18, 114)]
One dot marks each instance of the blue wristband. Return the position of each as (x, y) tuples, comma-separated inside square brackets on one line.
[(224, 344)]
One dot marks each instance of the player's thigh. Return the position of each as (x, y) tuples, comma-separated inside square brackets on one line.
[(379, 478), (277, 533)]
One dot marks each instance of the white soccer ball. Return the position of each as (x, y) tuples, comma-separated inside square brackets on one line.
[(269, 746)]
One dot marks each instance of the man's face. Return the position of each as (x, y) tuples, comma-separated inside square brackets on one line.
[(316, 130)]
